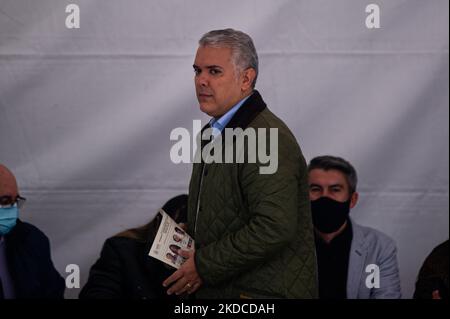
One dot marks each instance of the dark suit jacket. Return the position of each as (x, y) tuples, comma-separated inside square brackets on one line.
[(125, 271), (372, 247), (30, 264), (434, 274)]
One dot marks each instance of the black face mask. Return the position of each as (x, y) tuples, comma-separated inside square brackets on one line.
[(329, 215)]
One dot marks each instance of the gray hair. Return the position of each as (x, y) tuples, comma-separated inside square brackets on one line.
[(328, 162), (241, 44)]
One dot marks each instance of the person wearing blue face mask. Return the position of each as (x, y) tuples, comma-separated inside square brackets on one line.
[(26, 268), (9, 209), (344, 248)]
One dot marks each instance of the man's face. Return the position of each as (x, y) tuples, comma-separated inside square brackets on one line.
[(330, 183), (217, 84)]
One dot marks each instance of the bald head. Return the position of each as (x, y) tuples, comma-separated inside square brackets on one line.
[(8, 183)]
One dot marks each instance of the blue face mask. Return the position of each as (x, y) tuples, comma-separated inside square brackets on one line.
[(8, 219)]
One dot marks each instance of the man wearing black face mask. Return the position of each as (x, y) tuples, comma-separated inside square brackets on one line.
[(354, 261)]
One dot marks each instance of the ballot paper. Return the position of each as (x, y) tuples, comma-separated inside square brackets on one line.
[(169, 239)]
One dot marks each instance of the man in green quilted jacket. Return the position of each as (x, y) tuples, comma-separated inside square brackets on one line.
[(250, 219)]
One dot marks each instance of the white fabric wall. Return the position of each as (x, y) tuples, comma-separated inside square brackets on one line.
[(85, 114)]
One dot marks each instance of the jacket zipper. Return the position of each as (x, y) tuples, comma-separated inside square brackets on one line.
[(198, 199)]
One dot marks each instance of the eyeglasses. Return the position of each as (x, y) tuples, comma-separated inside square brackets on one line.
[(10, 202)]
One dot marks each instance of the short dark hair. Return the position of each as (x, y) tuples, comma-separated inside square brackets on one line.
[(328, 162), (176, 207)]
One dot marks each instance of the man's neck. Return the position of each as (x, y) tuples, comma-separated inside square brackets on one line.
[(330, 236)]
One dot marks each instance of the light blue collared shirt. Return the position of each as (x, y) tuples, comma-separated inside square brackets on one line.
[(218, 125)]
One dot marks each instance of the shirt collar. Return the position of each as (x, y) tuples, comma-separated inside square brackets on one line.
[(219, 124)]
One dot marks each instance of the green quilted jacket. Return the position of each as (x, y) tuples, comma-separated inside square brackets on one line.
[(253, 232)]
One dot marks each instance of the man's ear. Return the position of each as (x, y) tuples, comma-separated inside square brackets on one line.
[(248, 76), (354, 199)]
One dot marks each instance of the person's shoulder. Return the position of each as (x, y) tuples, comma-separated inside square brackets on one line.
[(439, 251), (122, 248), (266, 118), (27, 230), (121, 243), (120, 240), (26, 234), (441, 248), (374, 237)]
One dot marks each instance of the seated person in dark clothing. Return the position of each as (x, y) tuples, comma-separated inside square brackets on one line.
[(124, 269), (26, 267), (354, 261), (433, 280)]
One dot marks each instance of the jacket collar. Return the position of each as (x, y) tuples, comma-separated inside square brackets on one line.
[(358, 254), (241, 119), (246, 113)]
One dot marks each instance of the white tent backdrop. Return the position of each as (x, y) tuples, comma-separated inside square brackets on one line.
[(86, 114)]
